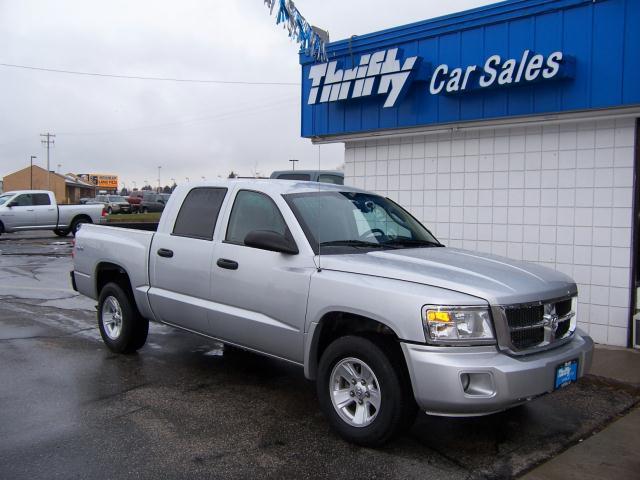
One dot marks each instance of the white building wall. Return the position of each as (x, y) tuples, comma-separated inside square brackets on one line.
[(559, 195)]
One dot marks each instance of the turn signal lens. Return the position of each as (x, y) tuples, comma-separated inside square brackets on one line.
[(436, 316)]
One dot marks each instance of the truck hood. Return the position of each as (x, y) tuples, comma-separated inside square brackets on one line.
[(499, 280)]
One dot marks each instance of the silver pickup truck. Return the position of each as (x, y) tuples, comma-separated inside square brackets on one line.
[(38, 210), (348, 285)]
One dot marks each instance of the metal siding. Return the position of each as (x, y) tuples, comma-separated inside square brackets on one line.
[(471, 53), (449, 53), (608, 44), (605, 45), (496, 41), (426, 105), (631, 77), (548, 38)]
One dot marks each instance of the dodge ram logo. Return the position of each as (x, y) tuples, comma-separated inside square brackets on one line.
[(551, 321)]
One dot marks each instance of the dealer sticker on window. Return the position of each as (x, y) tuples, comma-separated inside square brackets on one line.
[(566, 373)]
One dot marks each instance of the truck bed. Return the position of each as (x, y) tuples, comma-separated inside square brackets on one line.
[(101, 244)]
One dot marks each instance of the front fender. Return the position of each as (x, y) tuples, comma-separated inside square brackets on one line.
[(394, 303)]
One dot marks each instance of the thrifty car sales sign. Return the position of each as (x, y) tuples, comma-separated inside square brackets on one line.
[(382, 73)]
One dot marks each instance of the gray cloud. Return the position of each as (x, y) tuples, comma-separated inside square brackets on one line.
[(129, 127)]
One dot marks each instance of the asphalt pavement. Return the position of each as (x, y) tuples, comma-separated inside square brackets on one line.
[(187, 407)]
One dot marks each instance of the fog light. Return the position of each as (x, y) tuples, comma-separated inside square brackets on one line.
[(478, 384)]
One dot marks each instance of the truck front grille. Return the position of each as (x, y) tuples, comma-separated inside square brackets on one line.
[(538, 325)]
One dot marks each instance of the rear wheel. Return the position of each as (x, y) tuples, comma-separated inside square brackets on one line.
[(122, 328), (364, 391), (61, 232)]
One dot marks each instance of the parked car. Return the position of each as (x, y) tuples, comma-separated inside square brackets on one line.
[(113, 203), (38, 210), (323, 176), (349, 286), (153, 202), (134, 199)]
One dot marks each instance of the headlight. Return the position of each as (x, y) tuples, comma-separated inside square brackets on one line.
[(454, 324)]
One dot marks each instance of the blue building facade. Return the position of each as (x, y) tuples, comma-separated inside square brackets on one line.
[(510, 129), (597, 42)]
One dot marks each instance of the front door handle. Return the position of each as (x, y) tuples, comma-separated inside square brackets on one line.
[(165, 252), (228, 264)]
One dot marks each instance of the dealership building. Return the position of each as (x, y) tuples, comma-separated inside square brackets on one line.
[(510, 129)]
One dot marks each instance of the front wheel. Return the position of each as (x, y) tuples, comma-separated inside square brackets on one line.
[(122, 328), (364, 391)]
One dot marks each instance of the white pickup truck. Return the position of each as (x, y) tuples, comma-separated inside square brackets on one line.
[(38, 210), (348, 285)]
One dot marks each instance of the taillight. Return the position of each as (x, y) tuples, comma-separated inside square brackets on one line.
[(104, 212)]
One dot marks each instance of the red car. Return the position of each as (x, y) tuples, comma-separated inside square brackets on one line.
[(134, 200)]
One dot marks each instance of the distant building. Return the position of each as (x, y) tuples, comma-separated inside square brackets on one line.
[(67, 188)]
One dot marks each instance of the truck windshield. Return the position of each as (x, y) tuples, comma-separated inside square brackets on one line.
[(5, 198), (351, 222), (117, 198)]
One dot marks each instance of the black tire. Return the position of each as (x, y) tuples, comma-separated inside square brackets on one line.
[(133, 331), (61, 232), (75, 225), (397, 405)]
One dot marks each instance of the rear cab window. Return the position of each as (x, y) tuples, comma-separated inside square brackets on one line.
[(199, 213)]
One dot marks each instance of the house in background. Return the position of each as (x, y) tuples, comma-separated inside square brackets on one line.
[(67, 188)]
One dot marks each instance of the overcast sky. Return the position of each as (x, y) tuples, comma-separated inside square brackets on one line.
[(130, 127)]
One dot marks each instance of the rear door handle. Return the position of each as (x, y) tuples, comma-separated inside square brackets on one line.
[(228, 264), (165, 252)]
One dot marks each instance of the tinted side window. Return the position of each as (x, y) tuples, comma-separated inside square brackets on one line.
[(24, 200), (327, 178), (253, 211), (41, 199), (295, 176), (199, 212)]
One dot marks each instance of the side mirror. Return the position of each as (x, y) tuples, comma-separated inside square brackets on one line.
[(272, 241), (12, 204)]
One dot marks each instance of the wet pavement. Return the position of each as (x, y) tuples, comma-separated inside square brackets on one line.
[(186, 407)]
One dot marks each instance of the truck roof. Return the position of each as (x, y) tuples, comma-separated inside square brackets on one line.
[(275, 186), (13, 192)]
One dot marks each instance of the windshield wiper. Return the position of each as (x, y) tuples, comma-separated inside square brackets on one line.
[(354, 243), (410, 242)]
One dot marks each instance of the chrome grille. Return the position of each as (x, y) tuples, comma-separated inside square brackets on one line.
[(538, 325)]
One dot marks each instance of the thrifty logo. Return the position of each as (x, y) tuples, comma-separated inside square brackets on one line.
[(378, 73)]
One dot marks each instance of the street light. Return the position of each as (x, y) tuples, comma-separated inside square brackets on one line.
[(293, 163), (31, 170), (187, 179)]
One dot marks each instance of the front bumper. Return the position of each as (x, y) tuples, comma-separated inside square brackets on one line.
[(436, 375)]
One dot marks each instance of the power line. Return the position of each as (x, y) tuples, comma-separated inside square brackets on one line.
[(141, 77)]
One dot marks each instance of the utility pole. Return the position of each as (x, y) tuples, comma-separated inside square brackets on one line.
[(48, 142), (293, 163), (159, 183), (31, 171)]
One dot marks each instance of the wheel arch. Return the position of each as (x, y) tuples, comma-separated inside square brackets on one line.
[(335, 324), (107, 272)]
